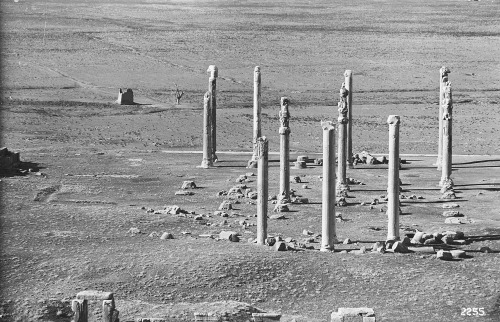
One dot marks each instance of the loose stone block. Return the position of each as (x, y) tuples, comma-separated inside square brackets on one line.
[(300, 165), (270, 241), (455, 220), (303, 158), (450, 205), (281, 208), (444, 255), (188, 184), (277, 217), (226, 205), (295, 179), (266, 317), (280, 246), (457, 253), (399, 247), (341, 202), (452, 213), (94, 295), (229, 235)]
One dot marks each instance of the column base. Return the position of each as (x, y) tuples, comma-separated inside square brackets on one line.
[(205, 165)]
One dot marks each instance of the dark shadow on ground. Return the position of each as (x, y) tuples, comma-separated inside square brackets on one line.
[(21, 170), (475, 162)]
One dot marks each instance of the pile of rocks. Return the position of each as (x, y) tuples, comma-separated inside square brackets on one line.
[(447, 237)]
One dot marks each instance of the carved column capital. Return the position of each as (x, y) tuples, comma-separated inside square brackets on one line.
[(256, 74), (262, 147), (348, 73), (393, 120), (327, 125), (213, 70), (444, 71)]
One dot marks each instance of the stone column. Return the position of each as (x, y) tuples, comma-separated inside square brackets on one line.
[(212, 88), (393, 182), (284, 131), (328, 234), (446, 181), (256, 115), (348, 86), (80, 308), (207, 133), (262, 189), (443, 78), (342, 186)]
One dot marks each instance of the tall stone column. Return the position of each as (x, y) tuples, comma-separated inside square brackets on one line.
[(342, 186), (446, 181), (348, 86), (393, 182), (443, 79), (284, 131), (212, 88), (328, 234), (257, 111), (262, 189), (207, 133)]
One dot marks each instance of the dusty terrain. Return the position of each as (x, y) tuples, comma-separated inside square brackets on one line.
[(98, 167)]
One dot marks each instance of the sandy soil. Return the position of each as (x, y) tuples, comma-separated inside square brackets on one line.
[(97, 166)]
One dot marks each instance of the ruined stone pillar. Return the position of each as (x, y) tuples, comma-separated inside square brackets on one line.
[(328, 234), (393, 182), (446, 180), (262, 189), (348, 86), (443, 79), (212, 88), (257, 110), (80, 309), (207, 133), (284, 131), (342, 186)]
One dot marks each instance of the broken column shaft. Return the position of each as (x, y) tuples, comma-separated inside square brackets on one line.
[(207, 133), (348, 86), (284, 131), (446, 180), (443, 79), (262, 189), (212, 88), (393, 182), (257, 111), (328, 234), (342, 186)]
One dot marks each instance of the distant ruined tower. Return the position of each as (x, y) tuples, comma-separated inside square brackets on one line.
[(125, 98)]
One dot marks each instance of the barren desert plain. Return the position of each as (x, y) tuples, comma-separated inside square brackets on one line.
[(86, 208)]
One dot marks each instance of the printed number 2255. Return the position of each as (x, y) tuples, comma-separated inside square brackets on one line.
[(473, 311)]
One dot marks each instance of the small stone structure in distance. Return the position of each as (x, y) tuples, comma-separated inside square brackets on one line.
[(125, 98), (9, 160)]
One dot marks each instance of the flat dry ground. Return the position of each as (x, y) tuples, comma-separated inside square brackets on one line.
[(63, 62)]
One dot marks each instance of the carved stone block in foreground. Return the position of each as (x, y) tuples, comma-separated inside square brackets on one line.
[(266, 317), (125, 98), (364, 314)]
